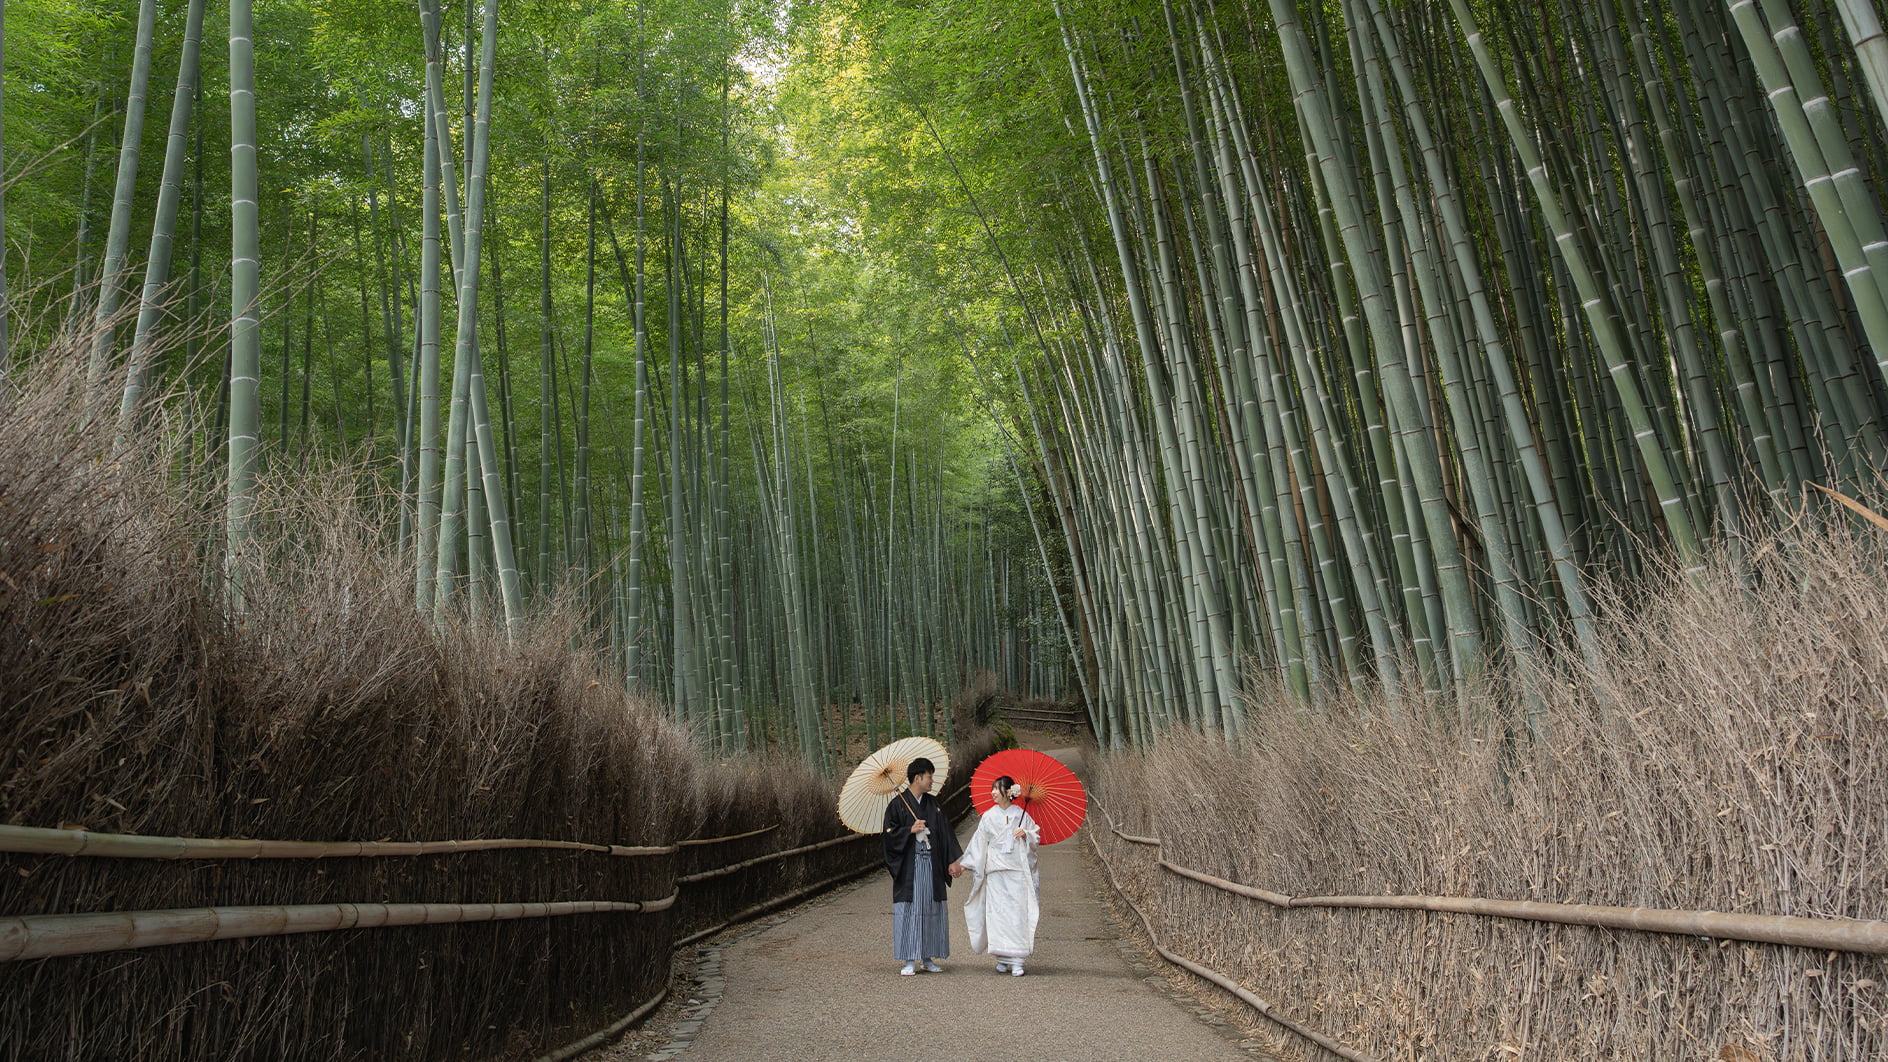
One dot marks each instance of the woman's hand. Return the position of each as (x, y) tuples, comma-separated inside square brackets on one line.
[(1019, 833)]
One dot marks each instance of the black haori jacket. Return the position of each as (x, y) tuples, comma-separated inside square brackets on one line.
[(901, 845)]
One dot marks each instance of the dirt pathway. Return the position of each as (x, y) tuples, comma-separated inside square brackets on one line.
[(822, 985)]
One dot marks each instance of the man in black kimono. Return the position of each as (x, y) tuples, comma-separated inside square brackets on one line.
[(921, 851)]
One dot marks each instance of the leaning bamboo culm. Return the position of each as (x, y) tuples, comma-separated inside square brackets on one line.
[(118, 239), (157, 264)]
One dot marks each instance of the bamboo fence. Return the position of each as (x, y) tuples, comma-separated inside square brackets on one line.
[(1863, 936), (46, 936), (1245, 995), (1860, 935), (42, 936)]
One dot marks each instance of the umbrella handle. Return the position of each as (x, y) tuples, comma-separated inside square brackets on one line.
[(904, 796)]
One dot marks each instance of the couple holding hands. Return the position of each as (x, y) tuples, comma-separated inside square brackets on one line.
[(922, 853)]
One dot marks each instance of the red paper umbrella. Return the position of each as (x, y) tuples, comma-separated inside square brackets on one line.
[(1052, 795)]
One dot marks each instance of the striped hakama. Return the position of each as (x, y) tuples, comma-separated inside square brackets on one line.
[(921, 929)]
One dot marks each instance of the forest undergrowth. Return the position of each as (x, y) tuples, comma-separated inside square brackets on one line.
[(1727, 751), (133, 699)]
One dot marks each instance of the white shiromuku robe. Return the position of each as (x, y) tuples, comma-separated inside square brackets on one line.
[(1001, 911)]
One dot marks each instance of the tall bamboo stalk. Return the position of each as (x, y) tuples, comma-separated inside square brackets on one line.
[(633, 604), (245, 406), (6, 298), (484, 441), (118, 237), (426, 394)]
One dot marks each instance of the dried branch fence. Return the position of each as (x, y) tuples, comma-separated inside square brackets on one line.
[(1244, 994), (1865, 936), (25, 937)]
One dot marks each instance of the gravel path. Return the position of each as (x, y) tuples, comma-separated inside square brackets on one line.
[(820, 983)]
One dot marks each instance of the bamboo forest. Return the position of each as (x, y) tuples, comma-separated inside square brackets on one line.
[(1428, 448)]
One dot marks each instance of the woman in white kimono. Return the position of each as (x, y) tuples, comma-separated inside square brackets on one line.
[(1001, 911)]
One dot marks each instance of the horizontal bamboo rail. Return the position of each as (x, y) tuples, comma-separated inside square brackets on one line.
[(689, 879), (1859, 935), (731, 837), (1245, 995), (764, 906), (39, 840), (1862, 936), (608, 1033), (44, 936), (1276, 899)]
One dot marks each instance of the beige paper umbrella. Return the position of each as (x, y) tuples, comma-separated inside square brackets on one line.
[(880, 776)]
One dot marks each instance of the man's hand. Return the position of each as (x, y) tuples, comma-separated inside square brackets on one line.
[(956, 870), (920, 826)]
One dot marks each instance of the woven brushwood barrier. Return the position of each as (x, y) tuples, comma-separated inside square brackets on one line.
[(735, 886), (1816, 940), (49, 935)]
